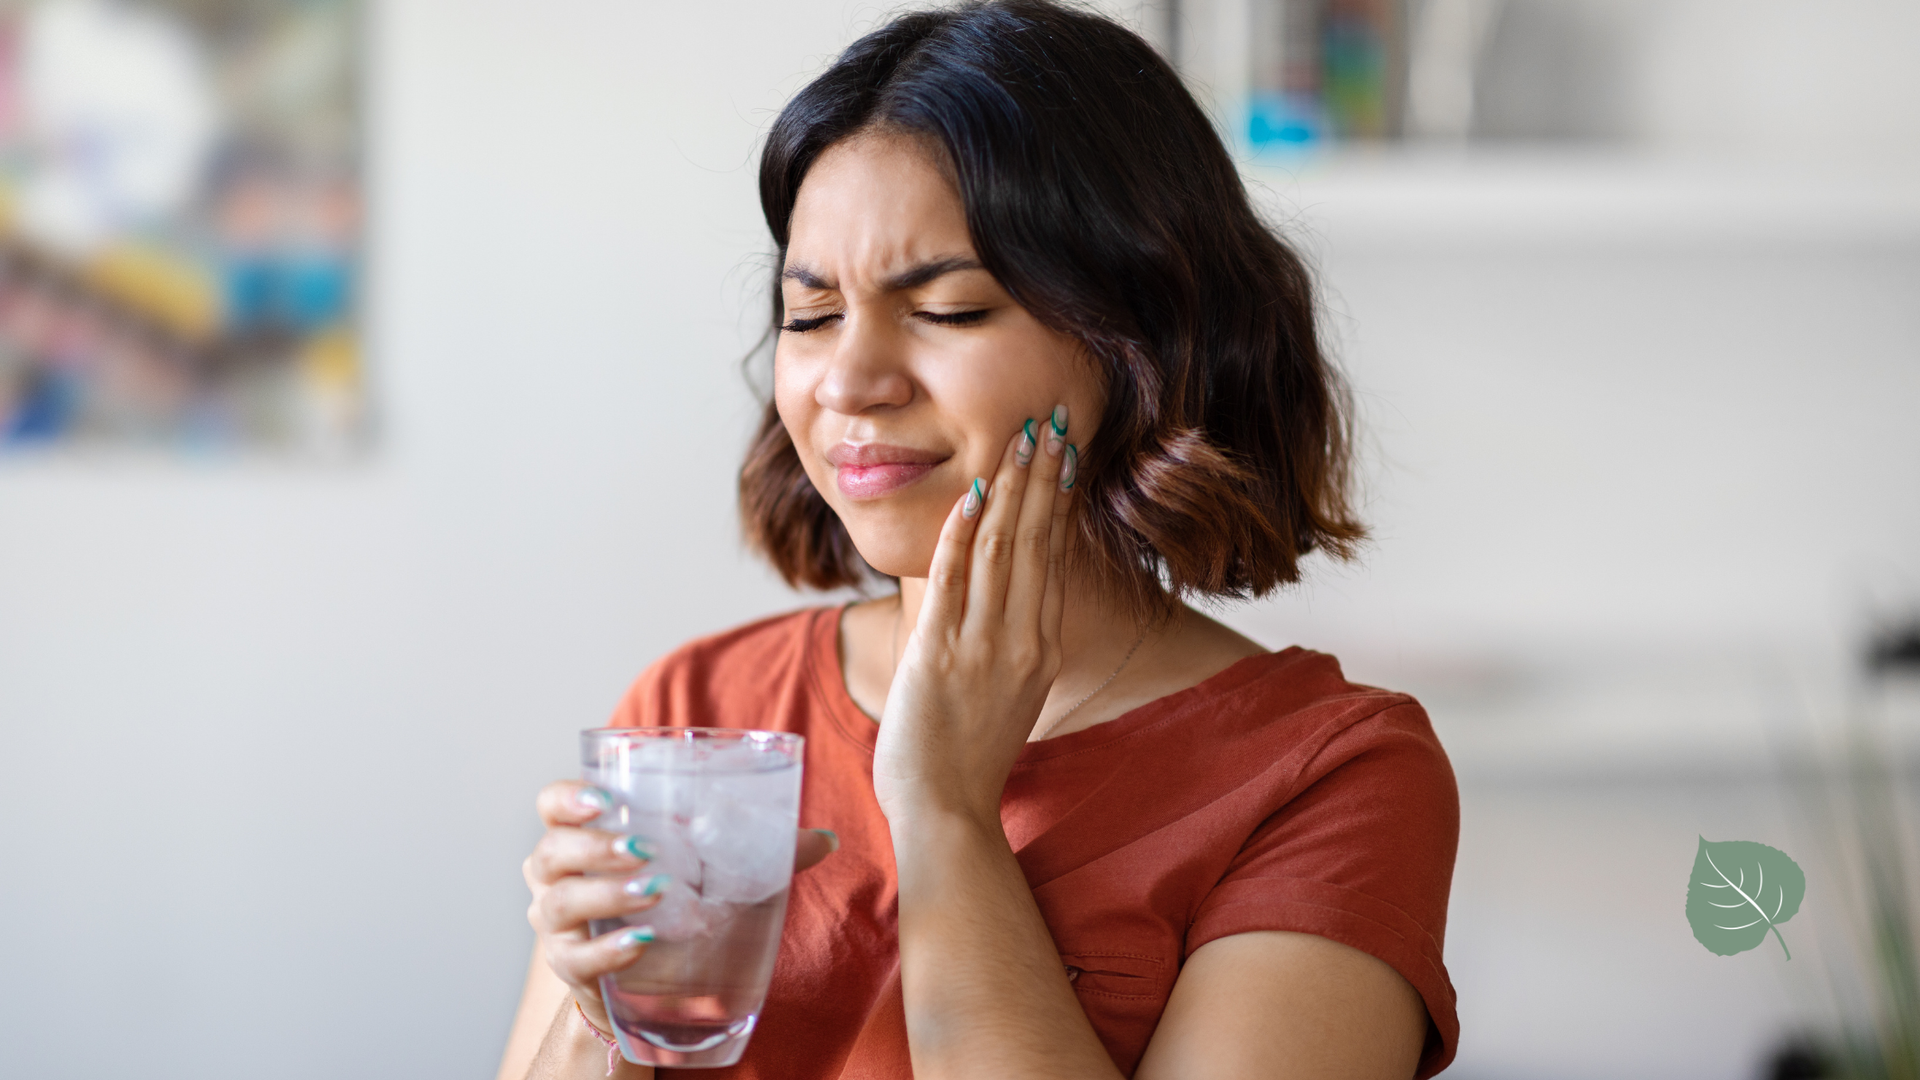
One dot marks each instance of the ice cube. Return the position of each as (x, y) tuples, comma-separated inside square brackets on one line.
[(679, 915), (745, 843), (656, 790), (673, 851)]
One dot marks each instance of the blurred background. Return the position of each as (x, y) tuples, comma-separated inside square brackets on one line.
[(1628, 292), (180, 203)]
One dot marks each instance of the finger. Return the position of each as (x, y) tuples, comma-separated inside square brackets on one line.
[(564, 851), (811, 846), (1055, 435), (993, 545), (1064, 460), (571, 802), (571, 903), (946, 598), (581, 961), (1032, 534)]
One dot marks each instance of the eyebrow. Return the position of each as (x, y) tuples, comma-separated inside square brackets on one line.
[(911, 278)]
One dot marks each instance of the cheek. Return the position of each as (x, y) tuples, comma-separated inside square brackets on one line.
[(785, 377), (1003, 380), (793, 397)]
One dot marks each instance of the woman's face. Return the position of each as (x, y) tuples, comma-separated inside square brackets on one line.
[(905, 369)]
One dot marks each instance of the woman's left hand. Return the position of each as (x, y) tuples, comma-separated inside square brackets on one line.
[(986, 647)]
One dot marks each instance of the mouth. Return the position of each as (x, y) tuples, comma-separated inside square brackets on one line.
[(871, 470)]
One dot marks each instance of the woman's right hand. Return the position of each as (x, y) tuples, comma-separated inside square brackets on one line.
[(566, 900)]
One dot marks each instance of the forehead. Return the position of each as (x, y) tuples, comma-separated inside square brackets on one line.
[(874, 204)]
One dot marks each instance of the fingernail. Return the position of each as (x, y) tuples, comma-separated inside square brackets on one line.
[(833, 838), (633, 848), (593, 799), (635, 936), (1069, 467), (975, 497), (1057, 429), (1023, 454), (651, 885)]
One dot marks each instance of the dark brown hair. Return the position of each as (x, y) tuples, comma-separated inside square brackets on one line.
[(1098, 194)]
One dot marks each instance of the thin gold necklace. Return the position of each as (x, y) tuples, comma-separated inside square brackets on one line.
[(1058, 720)]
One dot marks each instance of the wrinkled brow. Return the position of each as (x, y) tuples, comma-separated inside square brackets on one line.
[(911, 278)]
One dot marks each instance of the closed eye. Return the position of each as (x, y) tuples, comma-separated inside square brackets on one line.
[(938, 318), (801, 326), (952, 318)]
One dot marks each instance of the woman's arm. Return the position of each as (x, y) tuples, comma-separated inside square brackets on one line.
[(1273, 1004), (548, 1039), (984, 990), (541, 996), (986, 994), (983, 985)]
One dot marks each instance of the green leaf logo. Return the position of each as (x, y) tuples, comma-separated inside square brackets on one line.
[(1739, 891)]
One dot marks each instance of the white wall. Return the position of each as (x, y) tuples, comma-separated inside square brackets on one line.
[(272, 731), (1668, 443)]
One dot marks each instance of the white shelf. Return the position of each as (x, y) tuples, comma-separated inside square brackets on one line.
[(1584, 197), (1684, 718)]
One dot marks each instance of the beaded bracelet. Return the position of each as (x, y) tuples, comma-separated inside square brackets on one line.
[(613, 1045)]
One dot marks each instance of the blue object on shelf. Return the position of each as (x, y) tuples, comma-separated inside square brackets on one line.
[(249, 291), (299, 290), (1284, 121), (46, 410), (314, 287)]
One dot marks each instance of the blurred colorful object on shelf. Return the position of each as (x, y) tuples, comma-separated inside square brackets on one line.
[(180, 224), (1325, 70)]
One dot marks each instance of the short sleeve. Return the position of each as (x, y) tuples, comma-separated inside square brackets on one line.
[(1361, 853)]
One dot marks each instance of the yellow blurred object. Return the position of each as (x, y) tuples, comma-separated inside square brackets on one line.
[(178, 293), (332, 360), (331, 410)]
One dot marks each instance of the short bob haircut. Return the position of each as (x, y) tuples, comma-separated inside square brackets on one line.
[(1099, 195)]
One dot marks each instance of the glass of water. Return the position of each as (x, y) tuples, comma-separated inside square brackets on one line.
[(719, 808)]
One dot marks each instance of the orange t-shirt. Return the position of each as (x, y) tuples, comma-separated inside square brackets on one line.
[(1273, 796)]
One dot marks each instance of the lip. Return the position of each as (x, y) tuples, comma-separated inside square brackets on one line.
[(870, 470)]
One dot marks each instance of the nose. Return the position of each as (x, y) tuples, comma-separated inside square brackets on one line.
[(867, 368)]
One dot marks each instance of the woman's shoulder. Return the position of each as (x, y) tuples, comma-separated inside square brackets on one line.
[(716, 675), (1288, 721), (1303, 700), (1262, 731)]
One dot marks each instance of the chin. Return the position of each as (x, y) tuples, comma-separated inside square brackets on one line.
[(899, 553)]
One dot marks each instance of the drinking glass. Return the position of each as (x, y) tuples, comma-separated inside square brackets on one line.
[(719, 808)]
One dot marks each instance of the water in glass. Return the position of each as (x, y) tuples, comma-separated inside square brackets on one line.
[(720, 811)]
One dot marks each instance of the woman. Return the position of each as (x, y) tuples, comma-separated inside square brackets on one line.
[(1038, 360)]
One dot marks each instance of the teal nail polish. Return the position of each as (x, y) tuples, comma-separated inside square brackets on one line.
[(634, 847), (833, 838), (635, 936), (594, 799), (1023, 454), (1057, 429), (652, 885), (1069, 467), (976, 497)]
